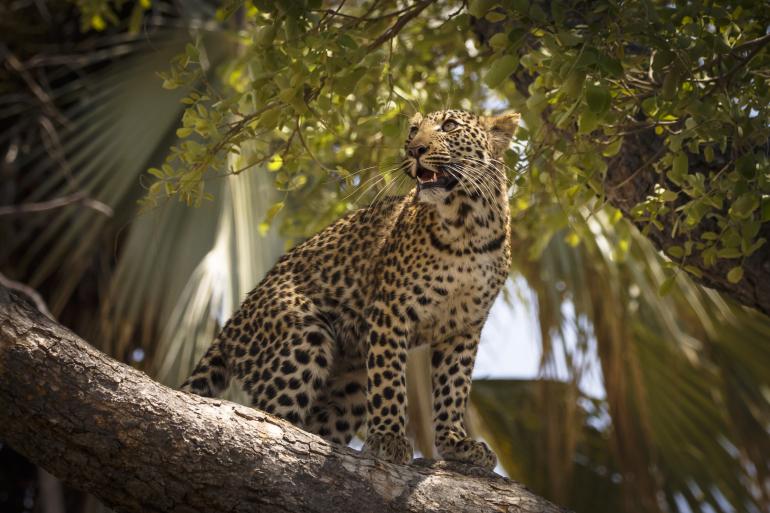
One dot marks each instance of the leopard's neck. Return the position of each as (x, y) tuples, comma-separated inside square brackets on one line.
[(471, 216)]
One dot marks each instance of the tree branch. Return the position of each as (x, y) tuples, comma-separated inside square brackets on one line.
[(631, 178), (63, 201), (31, 293), (399, 24), (108, 429)]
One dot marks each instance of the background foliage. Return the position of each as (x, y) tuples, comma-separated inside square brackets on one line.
[(282, 116)]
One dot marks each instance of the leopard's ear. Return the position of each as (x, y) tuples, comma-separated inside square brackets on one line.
[(416, 119), (500, 130)]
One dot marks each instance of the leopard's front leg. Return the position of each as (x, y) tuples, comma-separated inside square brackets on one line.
[(386, 386), (451, 364)]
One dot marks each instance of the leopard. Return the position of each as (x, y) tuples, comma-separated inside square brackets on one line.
[(322, 341)]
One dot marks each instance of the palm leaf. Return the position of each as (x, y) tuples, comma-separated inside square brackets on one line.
[(666, 369)]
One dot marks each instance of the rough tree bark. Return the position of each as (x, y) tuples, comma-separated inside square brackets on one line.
[(139, 446)]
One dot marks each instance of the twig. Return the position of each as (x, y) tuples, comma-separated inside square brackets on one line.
[(42, 96), (71, 199), (637, 170), (758, 43), (298, 131), (333, 12), (29, 292), (248, 166), (78, 60), (53, 146), (399, 24)]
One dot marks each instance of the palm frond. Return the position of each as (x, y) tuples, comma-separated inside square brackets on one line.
[(682, 374)]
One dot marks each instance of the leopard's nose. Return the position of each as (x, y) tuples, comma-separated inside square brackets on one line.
[(417, 151)]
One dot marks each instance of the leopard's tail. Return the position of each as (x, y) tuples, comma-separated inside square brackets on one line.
[(210, 377)]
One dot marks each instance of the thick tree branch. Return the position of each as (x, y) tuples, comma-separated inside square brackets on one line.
[(108, 429), (631, 178)]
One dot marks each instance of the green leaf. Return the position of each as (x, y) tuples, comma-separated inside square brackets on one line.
[(98, 23), (275, 163), (587, 122), (346, 41), (613, 148), (478, 8), (191, 51), (264, 36), (746, 165), (573, 85), (273, 211), (297, 182), (668, 195), (670, 84), (735, 274), (157, 173), (500, 70), (729, 253), (744, 206), (536, 102), (667, 285), (695, 210), (270, 118), (765, 212), (499, 41), (517, 34), (693, 270), (598, 98), (494, 16), (610, 66), (675, 251), (679, 167), (675, 142), (568, 38), (347, 83)]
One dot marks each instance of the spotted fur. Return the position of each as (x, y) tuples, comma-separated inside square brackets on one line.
[(322, 341)]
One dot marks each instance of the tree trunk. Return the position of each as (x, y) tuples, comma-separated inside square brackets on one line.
[(139, 446)]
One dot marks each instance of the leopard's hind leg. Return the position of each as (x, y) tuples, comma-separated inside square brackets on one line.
[(340, 410), (293, 374), (210, 376)]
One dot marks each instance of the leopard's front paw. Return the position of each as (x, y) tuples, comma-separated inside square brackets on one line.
[(470, 451), (388, 446)]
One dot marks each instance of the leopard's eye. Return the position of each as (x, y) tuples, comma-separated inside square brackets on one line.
[(449, 125), (412, 131)]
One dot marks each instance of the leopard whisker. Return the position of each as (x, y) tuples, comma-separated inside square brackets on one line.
[(474, 176), (381, 195), (372, 182)]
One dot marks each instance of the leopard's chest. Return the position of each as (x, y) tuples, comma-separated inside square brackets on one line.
[(459, 297)]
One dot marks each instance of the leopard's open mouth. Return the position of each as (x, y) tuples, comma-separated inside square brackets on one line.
[(430, 179)]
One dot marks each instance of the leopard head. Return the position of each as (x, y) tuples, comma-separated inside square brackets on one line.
[(448, 148)]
